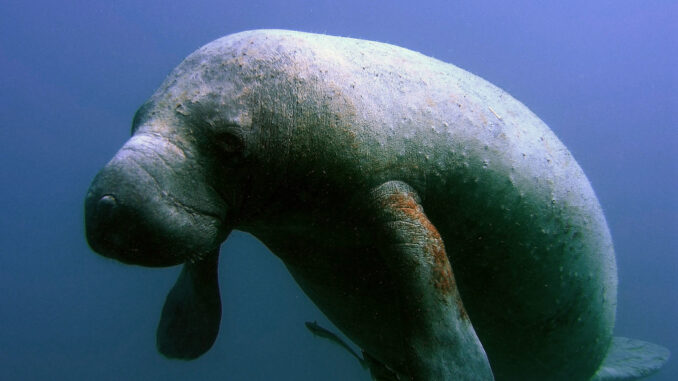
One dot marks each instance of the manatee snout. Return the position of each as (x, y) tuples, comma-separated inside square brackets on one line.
[(141, 210), (123, 219), (101, 214)]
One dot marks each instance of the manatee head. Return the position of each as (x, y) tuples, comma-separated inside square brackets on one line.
[(150, 205), (174, 191)]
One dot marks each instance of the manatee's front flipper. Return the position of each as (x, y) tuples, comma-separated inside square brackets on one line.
[(629, 359), (440, 341), (190, 318)]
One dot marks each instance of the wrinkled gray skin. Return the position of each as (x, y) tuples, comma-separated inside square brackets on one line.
[(353, 161)]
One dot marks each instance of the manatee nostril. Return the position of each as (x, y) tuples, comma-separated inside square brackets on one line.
[(106, 206)]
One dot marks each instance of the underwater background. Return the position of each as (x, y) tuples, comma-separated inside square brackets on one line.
[(602, 74)]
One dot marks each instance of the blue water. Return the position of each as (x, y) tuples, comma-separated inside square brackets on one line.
[(602, 74)]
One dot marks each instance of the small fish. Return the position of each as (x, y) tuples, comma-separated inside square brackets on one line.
[(319, 331)]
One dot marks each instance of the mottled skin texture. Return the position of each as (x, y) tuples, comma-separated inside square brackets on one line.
[(416, 204)]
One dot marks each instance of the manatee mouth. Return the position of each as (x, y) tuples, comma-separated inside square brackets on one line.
[(116, 231), (131, 218)]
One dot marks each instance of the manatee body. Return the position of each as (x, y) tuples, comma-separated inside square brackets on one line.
[(431, 216)]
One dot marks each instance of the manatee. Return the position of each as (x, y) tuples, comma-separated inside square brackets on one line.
[(434, 219)]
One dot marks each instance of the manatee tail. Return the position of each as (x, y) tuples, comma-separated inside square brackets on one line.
[(629, 359)]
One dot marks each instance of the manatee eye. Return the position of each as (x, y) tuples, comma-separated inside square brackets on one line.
[(229, 142)]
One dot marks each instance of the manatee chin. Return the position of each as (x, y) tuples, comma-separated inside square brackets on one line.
[(134, 237), (133, 214)]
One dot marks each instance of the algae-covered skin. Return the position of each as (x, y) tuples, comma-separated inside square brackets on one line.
[(430, 215)]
